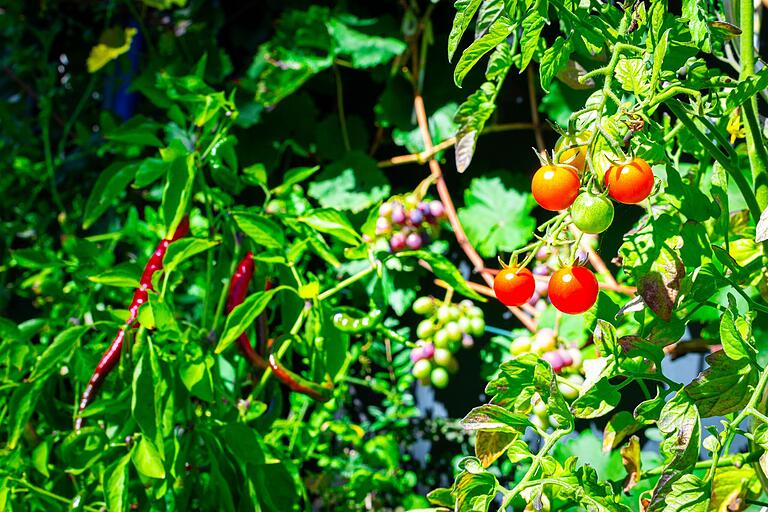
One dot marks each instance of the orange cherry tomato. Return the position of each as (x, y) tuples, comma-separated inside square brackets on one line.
[(514, 286), (576, 154), (555, 186), (573, 290), (629, 183)]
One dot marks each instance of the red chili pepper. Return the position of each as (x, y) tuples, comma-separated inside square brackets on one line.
[(238, 288), (110, 358), (297, 383)]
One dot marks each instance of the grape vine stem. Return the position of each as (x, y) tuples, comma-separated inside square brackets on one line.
[(450, 209)]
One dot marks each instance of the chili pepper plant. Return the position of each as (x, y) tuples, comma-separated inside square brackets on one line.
[(283, 256)]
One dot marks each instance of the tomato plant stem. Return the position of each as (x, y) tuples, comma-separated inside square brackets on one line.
[(758, 159)]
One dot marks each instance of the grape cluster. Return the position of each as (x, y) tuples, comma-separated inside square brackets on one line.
[(566, 363), (409, 223), (447, 328)]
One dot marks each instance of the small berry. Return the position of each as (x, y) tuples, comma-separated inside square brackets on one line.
[(398, 215), (467, 341), (397, 242), (436, 209), (413, 241), (416, 217), (382, 225), (385, 210)]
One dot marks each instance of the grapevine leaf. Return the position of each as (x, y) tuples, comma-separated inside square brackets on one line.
[(495, 218)]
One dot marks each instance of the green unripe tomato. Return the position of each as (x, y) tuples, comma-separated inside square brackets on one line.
[(453, 331), (521, 345), (442, 357), (592, 213), (422, 369), (441, 339), (465, 324), (477, 327), (423, 306), (539, 422), (425, 329), (440, 378)]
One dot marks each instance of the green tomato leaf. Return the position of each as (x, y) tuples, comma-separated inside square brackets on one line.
[(725, 387), (465, 11), (492, 417), (497, 33), (553, 60), (533, 22)]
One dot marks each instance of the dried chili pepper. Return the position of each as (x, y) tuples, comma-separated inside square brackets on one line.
[(140, 296), (238, 287)]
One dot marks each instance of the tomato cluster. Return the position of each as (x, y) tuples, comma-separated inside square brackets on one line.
[(447, 328), (408, 222), (565, 184)]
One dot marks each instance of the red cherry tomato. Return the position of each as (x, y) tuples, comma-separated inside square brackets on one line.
[(555, 186), (573, 290), (630, 183), (514, 286)]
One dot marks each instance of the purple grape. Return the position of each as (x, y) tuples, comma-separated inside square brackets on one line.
[(398, 215), (382, 225), (416, 217), (428, 350), (534, 298), (424, 208), (565, 356), (436, 209), (385, 210), (554, 359), (397, 242), (413, 241), (542, 254), (541, 270), (417, 354), (467, 341)]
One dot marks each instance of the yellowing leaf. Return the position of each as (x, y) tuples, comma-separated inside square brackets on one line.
[(112, 43)]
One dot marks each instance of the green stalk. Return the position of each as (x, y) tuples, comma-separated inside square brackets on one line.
[(758, 158)]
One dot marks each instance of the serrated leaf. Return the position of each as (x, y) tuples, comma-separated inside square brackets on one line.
[(496, 219), (553, 60), (734, 336), (724, 387), (497, 32), (353, 183), (492, 417), (364, 50), (695, 12), (331, 222), (465, 11), (533, 22), (632, 76)]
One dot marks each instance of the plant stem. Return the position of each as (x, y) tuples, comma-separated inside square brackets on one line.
[(340, 106), (346, 282), (758, 159), (550, 442), (49, 494)]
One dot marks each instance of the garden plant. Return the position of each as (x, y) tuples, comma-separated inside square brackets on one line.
[(415, 255)]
